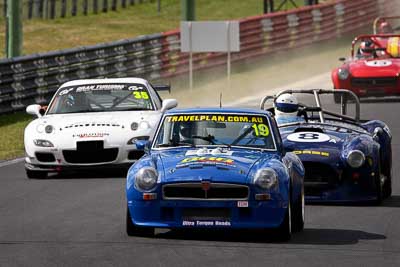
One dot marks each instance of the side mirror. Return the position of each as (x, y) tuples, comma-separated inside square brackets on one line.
[(343, 59), (143, 145), (34, 110), (168, 104)]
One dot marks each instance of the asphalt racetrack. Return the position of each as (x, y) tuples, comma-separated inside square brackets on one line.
[(80, 220)]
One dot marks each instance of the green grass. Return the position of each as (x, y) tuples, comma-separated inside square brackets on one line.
[(12, 134), (46, 35)]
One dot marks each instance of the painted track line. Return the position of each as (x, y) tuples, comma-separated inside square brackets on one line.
[(11, 162)]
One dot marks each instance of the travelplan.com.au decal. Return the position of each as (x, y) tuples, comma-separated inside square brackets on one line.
[(216, 118)]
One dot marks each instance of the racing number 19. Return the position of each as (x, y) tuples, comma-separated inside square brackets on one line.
[(260, 129)]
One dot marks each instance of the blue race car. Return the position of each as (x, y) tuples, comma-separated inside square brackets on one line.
[(346, 159), (215, 168)]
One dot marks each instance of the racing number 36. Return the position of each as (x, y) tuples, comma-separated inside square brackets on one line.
[(260, 129), (140, 95)]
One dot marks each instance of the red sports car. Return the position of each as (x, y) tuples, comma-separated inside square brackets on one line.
[(373, 68)]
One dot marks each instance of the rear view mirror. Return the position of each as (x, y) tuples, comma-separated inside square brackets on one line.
[(34, 110), (168, 104), (142, 144)]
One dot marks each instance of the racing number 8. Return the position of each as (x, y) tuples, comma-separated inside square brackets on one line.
[(260, 129), (140, 95)]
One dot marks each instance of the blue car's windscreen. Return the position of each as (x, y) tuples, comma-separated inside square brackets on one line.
[(101, 98), (240, 130)]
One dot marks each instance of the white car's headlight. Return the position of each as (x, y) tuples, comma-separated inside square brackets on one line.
[(49, 129), (134, 126), (343, 73), (43, 143), (146, 179), (265, 178), (355, 158)]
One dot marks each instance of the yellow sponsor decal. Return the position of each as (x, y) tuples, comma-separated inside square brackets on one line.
[(206, 161), (393, 46), (311, 152), (216, 118)]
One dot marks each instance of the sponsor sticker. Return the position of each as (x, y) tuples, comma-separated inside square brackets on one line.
[(206, 161), (206, 223), (243, 204), (216, 118), (310, 152), (90, 135)]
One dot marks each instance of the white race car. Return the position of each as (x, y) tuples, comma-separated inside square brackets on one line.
[(92, 123)]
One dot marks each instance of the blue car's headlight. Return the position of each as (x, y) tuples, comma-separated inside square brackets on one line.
[(265, 178), (146, 179), (355, 158)]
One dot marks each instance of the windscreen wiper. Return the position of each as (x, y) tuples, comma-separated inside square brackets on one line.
[(211, 139)]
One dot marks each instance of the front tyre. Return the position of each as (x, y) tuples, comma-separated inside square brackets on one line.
[(285, 229), (298, 213), (133, 230), (387, 188), (35, 174)]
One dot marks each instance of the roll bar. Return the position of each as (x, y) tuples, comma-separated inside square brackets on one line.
[(378, 19), (317, 93), (371, 37)]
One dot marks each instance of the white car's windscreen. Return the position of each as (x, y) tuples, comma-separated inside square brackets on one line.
[(101, 98), (240, 130)]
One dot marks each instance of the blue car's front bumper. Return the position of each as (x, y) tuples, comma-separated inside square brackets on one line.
[(201, 214)]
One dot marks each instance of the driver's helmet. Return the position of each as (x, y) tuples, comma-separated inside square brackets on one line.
[(286, 109), (385, 27), (185, 131), (367, 48)]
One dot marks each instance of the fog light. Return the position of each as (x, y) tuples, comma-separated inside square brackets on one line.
[(263, 197)]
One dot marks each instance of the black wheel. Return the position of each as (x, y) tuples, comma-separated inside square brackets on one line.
[(298, 213), (285, 229), (379, 188), (387, 188), (133, 230), (35, 174)]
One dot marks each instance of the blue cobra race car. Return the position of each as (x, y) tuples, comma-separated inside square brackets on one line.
[(346, 159), (215, 168)]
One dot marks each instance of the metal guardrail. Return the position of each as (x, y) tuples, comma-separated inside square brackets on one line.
[(34, 78)]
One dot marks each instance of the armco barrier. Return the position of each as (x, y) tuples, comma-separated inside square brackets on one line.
[(34, 78)]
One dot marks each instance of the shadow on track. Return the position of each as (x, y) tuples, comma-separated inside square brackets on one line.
[(100, 174), (309, 236), (393, 202)]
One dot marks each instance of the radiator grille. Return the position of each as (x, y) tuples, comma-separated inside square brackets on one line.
[(212, 191)]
